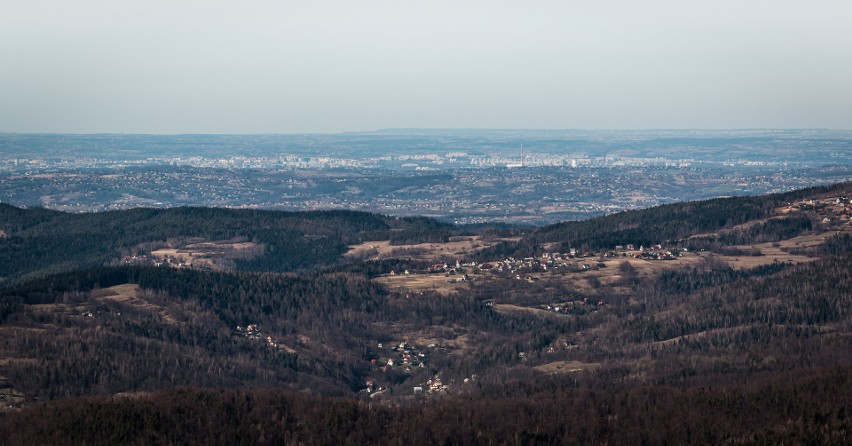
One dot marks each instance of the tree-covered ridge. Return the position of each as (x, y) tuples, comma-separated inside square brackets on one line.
[(670, 223), (325, 327), (39, 241), (328, 323), (693, 350), (799, 406), (180, 330)]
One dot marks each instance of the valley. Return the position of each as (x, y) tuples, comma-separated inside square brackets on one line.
[(372, 312)]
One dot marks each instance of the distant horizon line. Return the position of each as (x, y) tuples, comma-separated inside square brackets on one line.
[(445, 129)]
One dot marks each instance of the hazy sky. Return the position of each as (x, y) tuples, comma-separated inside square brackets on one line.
[(325, 66)]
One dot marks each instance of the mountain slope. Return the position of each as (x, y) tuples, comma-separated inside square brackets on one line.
[(40, 242), (562, 354)]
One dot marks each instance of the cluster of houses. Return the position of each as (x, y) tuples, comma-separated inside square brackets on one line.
[(134, 259), (142, 259), (433, 385), (393, 273), (546, 262), (838, 209), (408, 356), (657, 252), (574, 260), (371, 388), (402, 355), (451, 269), (575, 307), (569, 261), (456, 272), (251, 331), (831, 210)]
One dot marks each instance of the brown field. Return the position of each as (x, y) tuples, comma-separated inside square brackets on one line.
[(566, 366), (508, 308), (213, 255), (422, 282), (424, 338), (428, 251), (28, 361), (453, 339), (130, 294), (773, 254)]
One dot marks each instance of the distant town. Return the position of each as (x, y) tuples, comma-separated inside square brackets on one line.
[(464, 177)]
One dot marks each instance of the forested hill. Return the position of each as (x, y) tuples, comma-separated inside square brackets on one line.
[(618, 346), (667, 224), (39, 241), (35, 242)]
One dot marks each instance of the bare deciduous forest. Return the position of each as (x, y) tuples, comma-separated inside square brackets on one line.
[(635, 328)]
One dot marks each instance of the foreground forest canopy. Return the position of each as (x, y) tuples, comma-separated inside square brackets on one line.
[(728, 320)]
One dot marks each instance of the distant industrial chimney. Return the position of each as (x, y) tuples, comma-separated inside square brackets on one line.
[(511, 163)]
